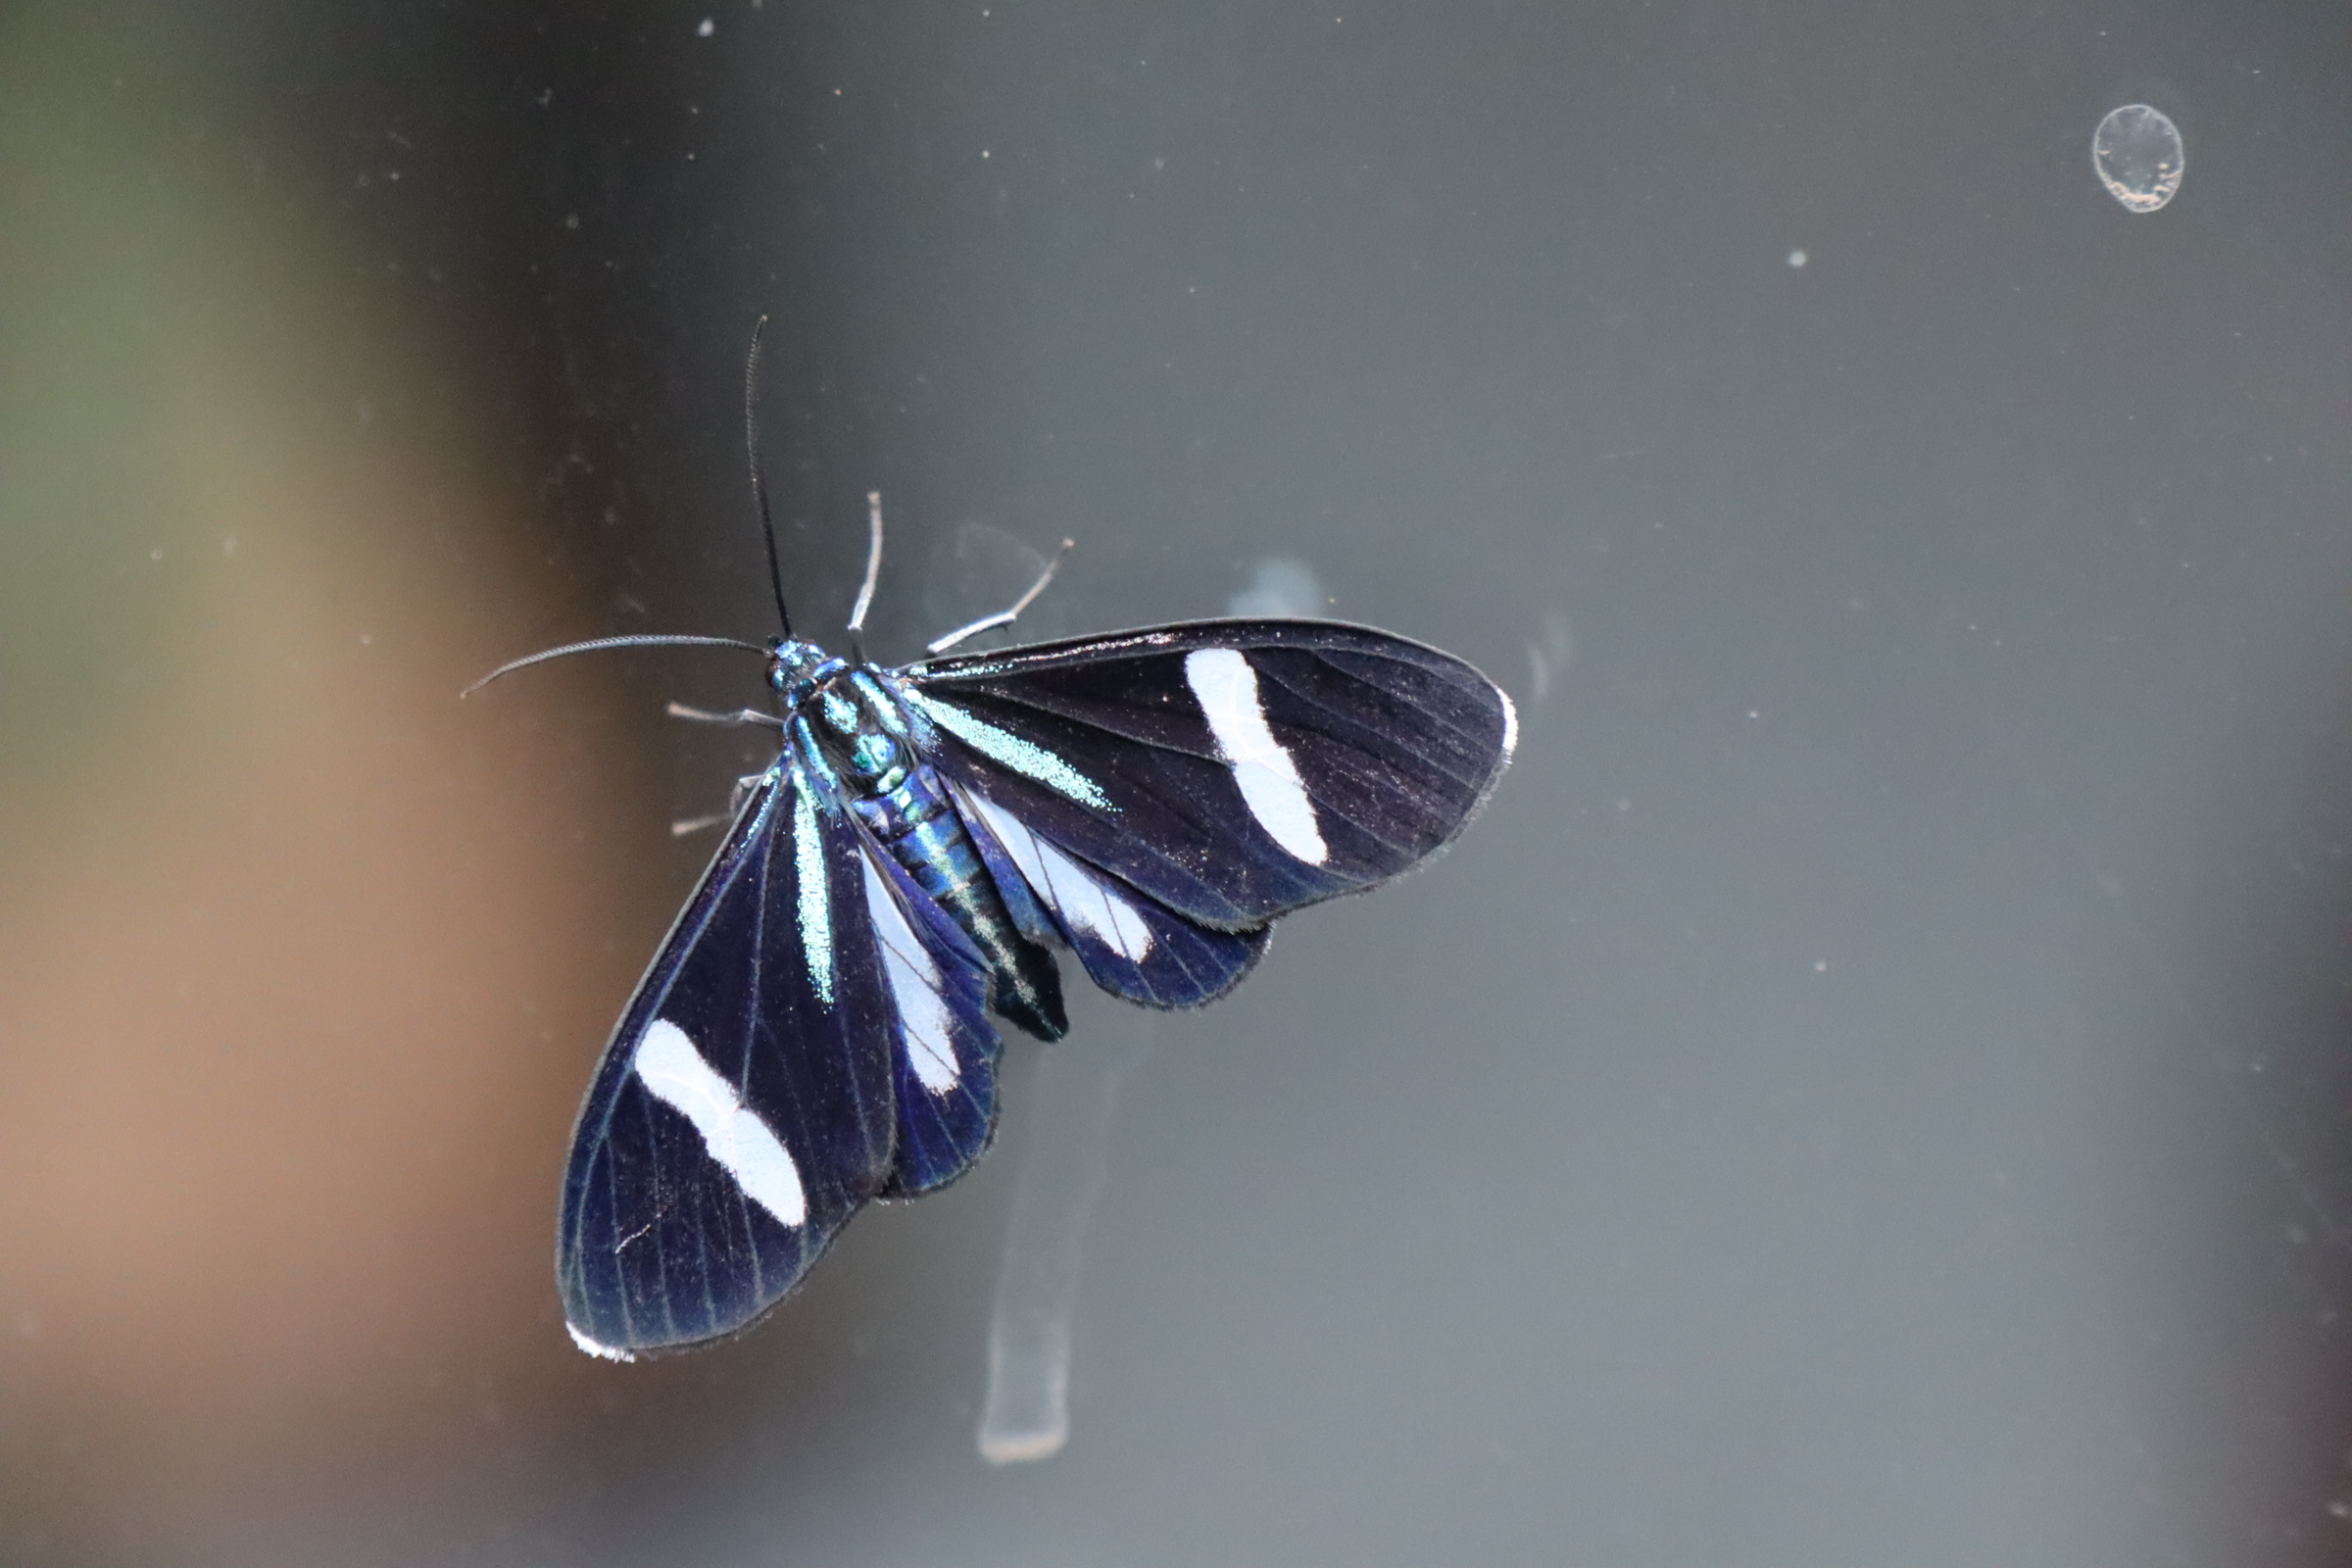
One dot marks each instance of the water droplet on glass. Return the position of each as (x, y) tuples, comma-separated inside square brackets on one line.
[(1548, 656), (2137, 151), (1280, 586)]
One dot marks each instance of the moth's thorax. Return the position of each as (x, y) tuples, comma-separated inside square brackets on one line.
[(854, 720)]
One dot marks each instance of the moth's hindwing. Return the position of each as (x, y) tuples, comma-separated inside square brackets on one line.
[(942, 1048), (1129, 943), (1229, 770), (745, 1108)]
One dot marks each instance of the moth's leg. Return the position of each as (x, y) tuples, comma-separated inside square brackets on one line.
[(873, 567), (735, 799), (1004, 617), (741, 716)]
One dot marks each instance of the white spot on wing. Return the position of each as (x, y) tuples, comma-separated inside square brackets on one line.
[(1267, 775), (924, 1017), (603, 1353), (1079, 895), (1510, 724), (1023, 758), (674, 1072)]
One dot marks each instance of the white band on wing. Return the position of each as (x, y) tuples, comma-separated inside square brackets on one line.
[(1265, 772), (674, 1072)]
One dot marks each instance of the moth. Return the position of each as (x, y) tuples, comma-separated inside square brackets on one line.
[(815, 1032)]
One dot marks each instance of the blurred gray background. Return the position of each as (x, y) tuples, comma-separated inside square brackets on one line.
[(1873, 1089)]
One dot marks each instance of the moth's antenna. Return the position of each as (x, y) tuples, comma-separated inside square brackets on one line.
[(874, 568), (750, 441), (648, 640)]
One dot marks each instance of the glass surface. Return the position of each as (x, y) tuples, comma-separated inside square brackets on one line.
[(1869, 1090)]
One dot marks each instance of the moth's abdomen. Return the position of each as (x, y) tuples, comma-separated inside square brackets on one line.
[(918, 823)]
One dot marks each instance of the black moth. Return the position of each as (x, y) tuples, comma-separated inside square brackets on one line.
[(814, 1031)]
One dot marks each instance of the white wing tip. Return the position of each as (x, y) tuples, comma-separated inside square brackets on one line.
[(1510, 723), (603, 1353)]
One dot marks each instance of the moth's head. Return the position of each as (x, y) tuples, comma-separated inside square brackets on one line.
[(796, 669)]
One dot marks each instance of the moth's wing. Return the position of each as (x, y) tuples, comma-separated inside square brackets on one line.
[(942, 1050), (1232, 770), (744, 1109), (1130, 944)]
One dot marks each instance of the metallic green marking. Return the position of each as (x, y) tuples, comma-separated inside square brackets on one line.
[(816, 909), (1023, 758)]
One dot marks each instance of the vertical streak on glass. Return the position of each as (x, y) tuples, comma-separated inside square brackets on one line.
[(1026, 1414)]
